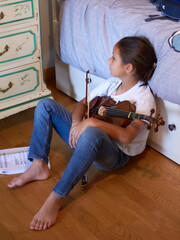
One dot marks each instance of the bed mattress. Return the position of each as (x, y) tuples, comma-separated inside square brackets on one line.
[(90, 28)]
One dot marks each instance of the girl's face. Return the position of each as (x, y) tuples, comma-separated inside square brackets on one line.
[(115, 63)]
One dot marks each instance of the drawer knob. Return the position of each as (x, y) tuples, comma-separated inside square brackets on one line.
[(1, 15), (172, 127), (6, 89), (6, 48)]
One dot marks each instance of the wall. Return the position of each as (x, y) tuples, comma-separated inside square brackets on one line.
[(47, 33)]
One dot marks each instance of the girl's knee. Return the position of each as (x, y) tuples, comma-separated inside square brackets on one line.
[(92, 134), (44, 104)]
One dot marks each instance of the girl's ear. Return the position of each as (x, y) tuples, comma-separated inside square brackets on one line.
[(129, 68)]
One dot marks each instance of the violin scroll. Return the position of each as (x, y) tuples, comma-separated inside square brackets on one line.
[(158, 121)]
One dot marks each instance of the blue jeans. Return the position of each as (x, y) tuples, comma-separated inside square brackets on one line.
[(94, 146)]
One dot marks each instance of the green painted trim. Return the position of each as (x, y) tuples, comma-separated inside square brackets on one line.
[(18, 105), (34, 39), (26, 91), (32, 6), (41, 42)]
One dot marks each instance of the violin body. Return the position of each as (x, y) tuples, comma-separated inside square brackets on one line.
[(108, 103), (121, 113)]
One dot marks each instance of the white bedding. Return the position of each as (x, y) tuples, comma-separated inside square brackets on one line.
[(90, 28)]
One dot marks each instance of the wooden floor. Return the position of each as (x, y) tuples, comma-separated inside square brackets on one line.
[(140, 201)]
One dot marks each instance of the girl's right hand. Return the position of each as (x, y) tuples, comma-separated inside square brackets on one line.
[(76, 129), (73, 135)]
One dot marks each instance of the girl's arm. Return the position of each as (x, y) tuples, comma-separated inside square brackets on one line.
[(79, 111), (118, 133)]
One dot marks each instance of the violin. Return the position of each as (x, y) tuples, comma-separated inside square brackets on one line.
[(121, 113)]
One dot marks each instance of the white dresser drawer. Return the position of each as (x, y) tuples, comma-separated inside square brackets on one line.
[(19, 45), (13, 10), (19, 81)]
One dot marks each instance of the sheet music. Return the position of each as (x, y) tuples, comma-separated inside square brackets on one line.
[(14, 160)]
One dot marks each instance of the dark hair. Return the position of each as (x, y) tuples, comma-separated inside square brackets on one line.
[(140, 53)]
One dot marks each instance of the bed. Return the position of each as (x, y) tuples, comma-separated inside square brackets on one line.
[(85, 32)]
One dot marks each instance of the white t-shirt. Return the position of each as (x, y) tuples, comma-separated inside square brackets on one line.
[(144, 101)]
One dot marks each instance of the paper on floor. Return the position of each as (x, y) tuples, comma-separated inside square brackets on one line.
[(14, 160)]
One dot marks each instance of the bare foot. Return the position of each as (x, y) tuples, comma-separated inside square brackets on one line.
[(48, 213), (37, 171)]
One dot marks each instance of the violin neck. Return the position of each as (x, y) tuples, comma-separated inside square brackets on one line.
[(126, 114)]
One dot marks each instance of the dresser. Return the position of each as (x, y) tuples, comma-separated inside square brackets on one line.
[(21, 70)]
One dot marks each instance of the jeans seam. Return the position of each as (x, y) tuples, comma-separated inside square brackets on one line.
[(44, 147), (66, 121), (92, 148), (62, 116)]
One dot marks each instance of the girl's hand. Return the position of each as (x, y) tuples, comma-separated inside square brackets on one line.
[(76, 129), (73, 135)]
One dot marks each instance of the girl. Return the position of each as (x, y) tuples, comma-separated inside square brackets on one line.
[(103, 144)]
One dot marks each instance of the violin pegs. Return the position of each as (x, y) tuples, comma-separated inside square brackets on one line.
[(149, 127), (156, 129), (152, 111), (162, 122)]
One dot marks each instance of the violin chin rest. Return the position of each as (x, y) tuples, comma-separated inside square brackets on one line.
[(101, 111)]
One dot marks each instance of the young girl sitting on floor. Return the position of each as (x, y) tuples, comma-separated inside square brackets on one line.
[(106, 145)]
